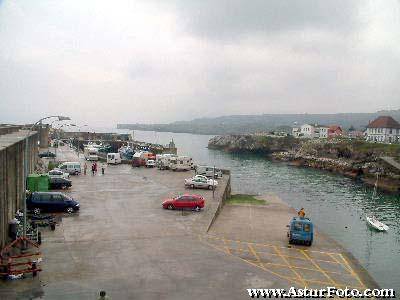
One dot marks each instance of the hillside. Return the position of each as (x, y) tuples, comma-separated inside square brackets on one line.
[(244, 124)]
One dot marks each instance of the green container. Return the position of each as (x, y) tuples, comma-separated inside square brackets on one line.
[(38, 182)]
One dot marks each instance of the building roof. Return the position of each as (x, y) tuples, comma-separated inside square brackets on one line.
[(384, 122), (335, 127)]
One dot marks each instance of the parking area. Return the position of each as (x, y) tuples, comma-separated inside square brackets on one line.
[(257, 235), (123, 242)]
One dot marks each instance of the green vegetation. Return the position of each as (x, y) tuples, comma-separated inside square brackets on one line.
[(51, 165), (388, 149), (244, 199)]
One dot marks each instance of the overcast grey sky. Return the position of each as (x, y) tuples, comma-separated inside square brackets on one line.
[(103, 62)]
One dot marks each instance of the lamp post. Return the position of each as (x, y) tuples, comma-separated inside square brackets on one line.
[(60, 118), (58, 135)]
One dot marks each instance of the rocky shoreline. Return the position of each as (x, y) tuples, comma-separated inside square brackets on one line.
[(355, 159)]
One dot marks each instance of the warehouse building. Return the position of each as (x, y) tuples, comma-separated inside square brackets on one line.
[(12, 149)]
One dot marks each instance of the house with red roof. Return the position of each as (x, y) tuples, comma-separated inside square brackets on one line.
[(334, 131), (384, 129)]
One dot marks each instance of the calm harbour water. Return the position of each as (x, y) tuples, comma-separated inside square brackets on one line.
[(336, 204)]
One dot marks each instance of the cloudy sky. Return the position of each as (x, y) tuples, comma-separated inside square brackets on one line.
[(103, 62)]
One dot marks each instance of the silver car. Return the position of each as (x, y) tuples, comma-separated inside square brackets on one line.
[(202, 182), (57, 173)]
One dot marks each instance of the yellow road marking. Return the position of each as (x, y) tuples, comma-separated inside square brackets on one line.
[(227, 248), (290, 256), (319, 268), (352, 271), (258, 259), (270, 245), (301, 268), (259, 265), (290, 267), (343, 265), (262, 265)]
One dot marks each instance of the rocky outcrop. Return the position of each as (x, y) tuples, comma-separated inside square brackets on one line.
[(252, 143), (356, 159)]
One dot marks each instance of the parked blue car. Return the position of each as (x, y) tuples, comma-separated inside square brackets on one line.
[(301, 231), (39, 202)]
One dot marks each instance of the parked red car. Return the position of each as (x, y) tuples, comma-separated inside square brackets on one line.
[(195, 202)]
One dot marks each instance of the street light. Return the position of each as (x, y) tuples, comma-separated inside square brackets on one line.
[(60, 118), (58, 135)]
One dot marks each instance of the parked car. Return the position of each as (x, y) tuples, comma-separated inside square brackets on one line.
[(202, 182), (57, 183), (47, 154), (150, 163), (57, 173), (195, 202), (38, 202), (73, 168), (209, 171)]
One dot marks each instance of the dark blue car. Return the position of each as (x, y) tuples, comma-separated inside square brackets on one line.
[(51, 202)]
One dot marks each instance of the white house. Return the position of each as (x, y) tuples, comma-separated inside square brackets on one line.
[(384, 129), (296, 131), (308, 131), (323, 131)]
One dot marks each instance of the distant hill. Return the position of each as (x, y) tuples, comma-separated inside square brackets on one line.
[(242, 124)]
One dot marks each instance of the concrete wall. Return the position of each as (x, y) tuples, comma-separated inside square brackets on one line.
[(44, 135), (225, 195), (12, 148)]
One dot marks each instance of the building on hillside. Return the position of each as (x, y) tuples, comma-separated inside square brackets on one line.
[(356, 134), (384, 129), (323, 131), (296, 131), (307, 130), (335, 131)]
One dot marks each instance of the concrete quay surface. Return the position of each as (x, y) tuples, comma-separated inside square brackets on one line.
[(123, 242), (258, 236)]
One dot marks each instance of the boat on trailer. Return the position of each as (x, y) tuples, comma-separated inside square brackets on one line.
[(375, 223)]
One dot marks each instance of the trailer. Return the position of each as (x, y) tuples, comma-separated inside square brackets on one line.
[(91, 153), (181, 163), (163, 161)]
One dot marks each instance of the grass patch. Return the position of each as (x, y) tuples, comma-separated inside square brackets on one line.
[(245, 199), (52, 165), (388, 149)]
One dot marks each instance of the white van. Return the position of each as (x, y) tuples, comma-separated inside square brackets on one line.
[(114, 158), (181, 163), (91, 153), (73, 168), (208, 171)]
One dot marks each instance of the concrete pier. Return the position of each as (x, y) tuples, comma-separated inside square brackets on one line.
[(257, 235)]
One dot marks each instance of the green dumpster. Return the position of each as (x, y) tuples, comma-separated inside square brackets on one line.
[(38, 182)]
